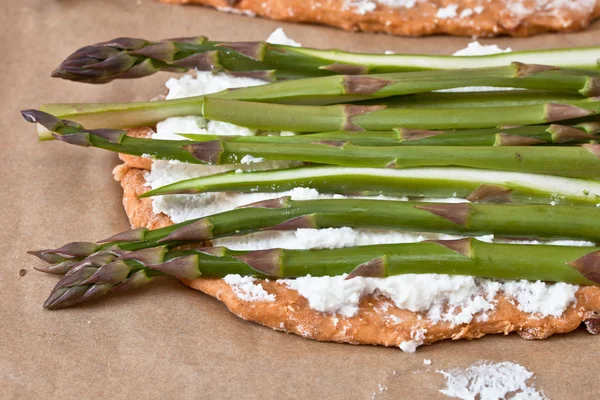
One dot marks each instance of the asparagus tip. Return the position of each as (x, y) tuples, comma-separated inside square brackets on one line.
[(48, 121)]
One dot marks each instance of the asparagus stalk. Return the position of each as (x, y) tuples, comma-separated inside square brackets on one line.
[(577, 265), (124, 58), (493, 98), (341, 148), (472, 184), (349, 88), (280, 117), (277, 117), (90, 281), (71, 255), (575, 162), (521, 136), (501, 220), (138, 113)]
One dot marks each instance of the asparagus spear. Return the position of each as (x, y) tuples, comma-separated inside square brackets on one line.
[(339, 147), (280, 117), (521, 136), (472, 184), (123, 58), (493, 98), (192, 105), (577, 265), (575, 162), (73, 254), (90, 280), (501, 220)]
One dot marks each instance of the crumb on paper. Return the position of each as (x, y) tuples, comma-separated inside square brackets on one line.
[(22, 272), (491, 381), (427, 361)]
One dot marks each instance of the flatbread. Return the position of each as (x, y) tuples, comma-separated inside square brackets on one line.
[(423, 17), (378, 320)]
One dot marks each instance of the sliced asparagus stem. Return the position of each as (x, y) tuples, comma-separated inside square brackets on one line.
[(577, 265), (124, 58), (501, 220), (475, 185)]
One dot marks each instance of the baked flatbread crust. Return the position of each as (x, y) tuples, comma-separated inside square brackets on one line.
[(424, 17), (378, 320)]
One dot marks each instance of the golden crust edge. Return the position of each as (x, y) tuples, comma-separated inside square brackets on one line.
[(378, 320), (419, 20)]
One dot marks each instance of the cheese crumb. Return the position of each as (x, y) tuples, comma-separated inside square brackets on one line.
[(487, 381), (447, 12), (279, 37), (245, 288), (248, 159)]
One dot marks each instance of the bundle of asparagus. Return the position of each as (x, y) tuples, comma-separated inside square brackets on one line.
[(371, 130)]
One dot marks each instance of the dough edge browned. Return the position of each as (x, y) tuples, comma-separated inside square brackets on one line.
[(418, 20), (378, 320)]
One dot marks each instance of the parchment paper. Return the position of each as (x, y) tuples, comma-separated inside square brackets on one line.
[(167, 341)]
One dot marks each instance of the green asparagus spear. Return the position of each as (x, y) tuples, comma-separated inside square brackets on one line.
[(577, 265), (501, 220), (472, 184), (280, 117), (124, 58), (521, 136), (575, 162)]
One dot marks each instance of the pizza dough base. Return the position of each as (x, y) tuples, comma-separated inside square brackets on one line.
[(423, 18), (378, 320)]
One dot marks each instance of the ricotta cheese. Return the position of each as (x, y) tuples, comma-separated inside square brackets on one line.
[(441, 298), (491, 381)]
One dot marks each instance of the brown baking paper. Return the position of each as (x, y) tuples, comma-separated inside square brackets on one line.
[(165, 340)]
